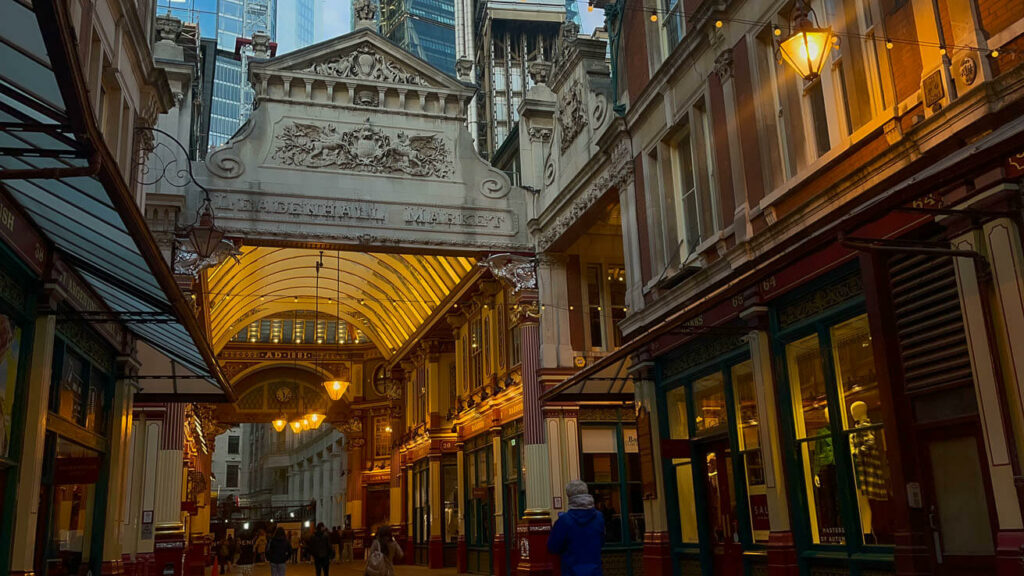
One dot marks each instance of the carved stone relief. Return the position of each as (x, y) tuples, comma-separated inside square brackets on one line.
[(517, 270), (365, 63), (572, 114), (618, 173), (363, 149)]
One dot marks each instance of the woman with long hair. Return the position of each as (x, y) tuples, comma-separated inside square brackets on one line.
[(384, 552)]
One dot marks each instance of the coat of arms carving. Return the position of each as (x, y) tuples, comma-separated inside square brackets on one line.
[(363, 149), (572, 115), (365, 63)]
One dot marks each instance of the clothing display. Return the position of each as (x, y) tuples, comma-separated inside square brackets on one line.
[(867, 463)]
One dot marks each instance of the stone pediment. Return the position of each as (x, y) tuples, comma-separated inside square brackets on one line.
[(361, 56), (353, 141)]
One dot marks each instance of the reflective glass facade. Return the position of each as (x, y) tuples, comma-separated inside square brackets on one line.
[(425, 28)]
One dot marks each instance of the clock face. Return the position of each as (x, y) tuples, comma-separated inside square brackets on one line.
[(283, 394)]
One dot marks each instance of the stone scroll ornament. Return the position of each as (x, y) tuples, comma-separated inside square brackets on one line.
[(365, 149), (365, 63)]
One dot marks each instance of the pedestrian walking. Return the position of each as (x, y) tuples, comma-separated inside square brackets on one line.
[(260, 547), (295, 546), (578, 535), (246, 552), (279, 550), (348, 538), (335, 539), (320, 550), (384, 552), (224, 555)]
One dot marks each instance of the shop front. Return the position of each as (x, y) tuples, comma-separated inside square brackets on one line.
[(715, 469), (479, 507), (21, 256)]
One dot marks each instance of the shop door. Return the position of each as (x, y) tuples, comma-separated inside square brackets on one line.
[(959, 502), (722, 526)]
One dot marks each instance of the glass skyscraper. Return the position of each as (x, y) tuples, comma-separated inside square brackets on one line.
[(425, 28), (296, 24)]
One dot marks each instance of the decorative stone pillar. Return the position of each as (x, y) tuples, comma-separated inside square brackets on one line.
[(657, 558), (118, 457), (556, 345), (30, 472), (168, 529), (974, 303)]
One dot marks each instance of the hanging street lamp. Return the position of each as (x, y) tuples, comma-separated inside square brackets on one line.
[(336, 387), (204, 235), (808, 45), (296, 426), (279, 423)]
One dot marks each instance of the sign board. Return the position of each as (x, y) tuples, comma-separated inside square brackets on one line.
[(76, 470), (649, 484)]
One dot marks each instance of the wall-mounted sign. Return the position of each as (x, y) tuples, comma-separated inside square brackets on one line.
[(76, 470)]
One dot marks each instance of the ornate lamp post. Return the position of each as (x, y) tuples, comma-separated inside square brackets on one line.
[(807, 46)]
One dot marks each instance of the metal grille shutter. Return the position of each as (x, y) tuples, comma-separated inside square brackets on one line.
[(930, 325)]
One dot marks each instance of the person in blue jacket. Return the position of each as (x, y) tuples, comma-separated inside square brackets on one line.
[(578, 535)]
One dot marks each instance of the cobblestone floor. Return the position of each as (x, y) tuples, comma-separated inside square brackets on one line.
[(347, 569)]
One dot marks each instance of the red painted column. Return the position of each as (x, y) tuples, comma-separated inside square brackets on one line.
[(461, 555), (1009, 559), (533, 530)]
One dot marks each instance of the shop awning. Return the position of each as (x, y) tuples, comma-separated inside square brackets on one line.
[(611, 383), (54, 163)]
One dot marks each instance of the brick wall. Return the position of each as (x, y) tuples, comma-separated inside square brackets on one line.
[(905, 58), (634, 50), (997, 15)]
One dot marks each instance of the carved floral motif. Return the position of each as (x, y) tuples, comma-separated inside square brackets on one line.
[(364, 149), (365, 63), (572, 114)]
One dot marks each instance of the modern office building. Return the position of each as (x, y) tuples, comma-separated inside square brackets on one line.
[(425, 28), (296, 24)]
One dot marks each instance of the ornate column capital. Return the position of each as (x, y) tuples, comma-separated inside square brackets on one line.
[(519, 271)]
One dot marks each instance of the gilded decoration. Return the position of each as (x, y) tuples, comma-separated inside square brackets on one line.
[(364, 149), (572, 115), (820, 300), (364, 63)]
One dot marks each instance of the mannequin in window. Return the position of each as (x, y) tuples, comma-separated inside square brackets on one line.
[(823, 468), (867, 466)]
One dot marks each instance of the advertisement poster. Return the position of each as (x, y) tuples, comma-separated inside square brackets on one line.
[(10, 349)]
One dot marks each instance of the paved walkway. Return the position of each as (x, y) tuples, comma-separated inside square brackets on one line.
[(347, 569)]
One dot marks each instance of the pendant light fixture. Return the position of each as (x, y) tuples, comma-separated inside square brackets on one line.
[(808, 45), (336, 387)]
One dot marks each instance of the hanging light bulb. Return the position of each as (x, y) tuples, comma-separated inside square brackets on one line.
[(279, 423), (304, 422), (315, 419), (296, 426), (654, 16)]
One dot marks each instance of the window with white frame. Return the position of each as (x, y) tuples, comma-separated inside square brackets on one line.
[(605, 305), (673, 23), (692, 182), (801, 120)]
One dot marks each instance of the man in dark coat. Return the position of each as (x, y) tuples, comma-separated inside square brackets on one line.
[(320, 550), (578, 534)]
